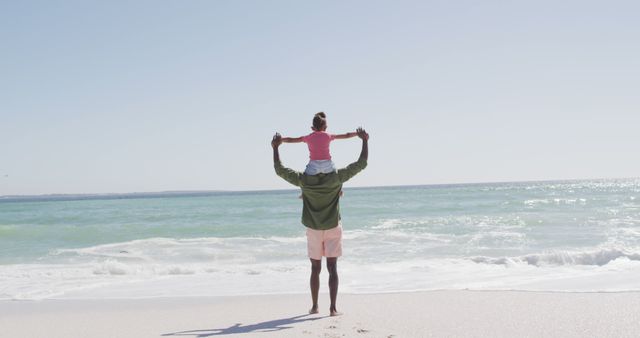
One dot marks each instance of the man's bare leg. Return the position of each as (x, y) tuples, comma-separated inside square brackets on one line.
[(314, 283), (332, 266)]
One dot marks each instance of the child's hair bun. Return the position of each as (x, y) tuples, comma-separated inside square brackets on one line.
[(319, 121)]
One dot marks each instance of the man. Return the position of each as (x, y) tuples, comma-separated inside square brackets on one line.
[(321, 215)]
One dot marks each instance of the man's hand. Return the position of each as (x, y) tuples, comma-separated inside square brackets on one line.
[(362, 134), (276, 141)]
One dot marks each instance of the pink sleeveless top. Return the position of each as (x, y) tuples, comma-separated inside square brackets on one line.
[(318, 143)]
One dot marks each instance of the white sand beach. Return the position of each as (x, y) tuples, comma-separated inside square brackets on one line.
[(417, 314)]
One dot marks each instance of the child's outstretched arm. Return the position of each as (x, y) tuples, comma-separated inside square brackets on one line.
[(346, 135), (292, 139)]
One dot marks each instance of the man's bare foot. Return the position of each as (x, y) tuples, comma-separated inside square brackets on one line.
[(334, 313), (313, 310)]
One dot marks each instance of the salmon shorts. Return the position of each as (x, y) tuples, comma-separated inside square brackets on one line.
[(327, 243)]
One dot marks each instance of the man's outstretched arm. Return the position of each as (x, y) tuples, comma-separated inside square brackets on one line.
[(287, 174), (275, 144), (362, 134), (352, 169)]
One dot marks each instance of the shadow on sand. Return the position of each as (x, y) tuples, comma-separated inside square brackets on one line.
[(268, 326)]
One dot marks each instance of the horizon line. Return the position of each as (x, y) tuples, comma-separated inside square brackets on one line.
[(187, 192)]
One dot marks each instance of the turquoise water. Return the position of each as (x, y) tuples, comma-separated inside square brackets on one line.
[(564, 236), (31, 230)]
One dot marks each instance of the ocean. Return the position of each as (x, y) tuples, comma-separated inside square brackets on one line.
[(560, 236)]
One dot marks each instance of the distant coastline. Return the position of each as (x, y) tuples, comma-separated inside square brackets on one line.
[(110, 196), (197, 193)]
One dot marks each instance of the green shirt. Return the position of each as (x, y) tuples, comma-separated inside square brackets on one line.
[(320, 193)]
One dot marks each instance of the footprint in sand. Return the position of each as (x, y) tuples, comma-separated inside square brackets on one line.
[(331, 335)]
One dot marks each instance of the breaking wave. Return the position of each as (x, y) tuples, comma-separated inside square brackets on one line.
[(556, 258)]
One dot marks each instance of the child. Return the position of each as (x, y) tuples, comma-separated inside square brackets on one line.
[(318, 143)]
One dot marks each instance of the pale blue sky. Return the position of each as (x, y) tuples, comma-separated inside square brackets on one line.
[(123, 96)]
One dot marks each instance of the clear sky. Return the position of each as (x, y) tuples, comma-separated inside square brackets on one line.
[(124, 96)]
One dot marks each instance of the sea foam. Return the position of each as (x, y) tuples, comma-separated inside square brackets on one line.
[(597, 257), (560, 236)]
